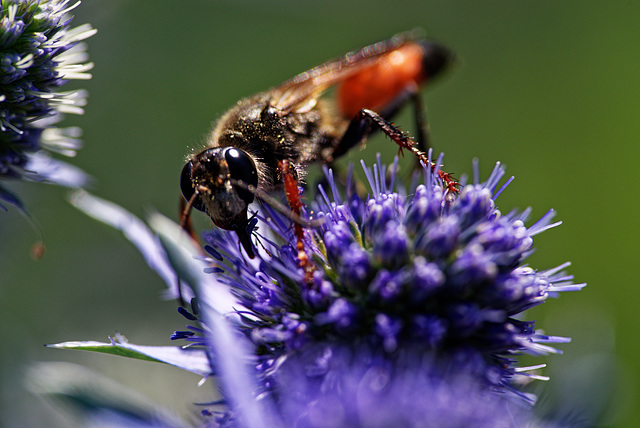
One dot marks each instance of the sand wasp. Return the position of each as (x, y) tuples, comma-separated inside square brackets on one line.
[(292, 125)]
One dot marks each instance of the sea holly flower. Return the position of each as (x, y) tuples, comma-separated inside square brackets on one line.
[(402, 275), (39, 53), (411, 313)]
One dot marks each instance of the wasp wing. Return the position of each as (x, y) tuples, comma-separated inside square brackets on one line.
[(300, 93)]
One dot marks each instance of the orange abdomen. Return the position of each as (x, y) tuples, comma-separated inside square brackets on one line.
[(404, 68)]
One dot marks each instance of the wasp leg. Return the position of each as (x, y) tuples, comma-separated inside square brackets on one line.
[(423, 131), (368, 121), (293, 197), (185, 220), (364, 124), (411, 94), (187, 226)]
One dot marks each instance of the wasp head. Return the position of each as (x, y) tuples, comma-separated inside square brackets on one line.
[(209, 182)]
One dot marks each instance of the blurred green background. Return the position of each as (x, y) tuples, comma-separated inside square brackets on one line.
[(551, 89)]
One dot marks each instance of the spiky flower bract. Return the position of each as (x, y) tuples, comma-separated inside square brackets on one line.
[(39, 53)]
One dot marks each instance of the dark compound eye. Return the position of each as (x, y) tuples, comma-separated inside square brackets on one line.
[(242, 168), (186, 186)]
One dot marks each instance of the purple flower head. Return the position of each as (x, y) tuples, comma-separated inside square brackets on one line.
[(39, 53), (411, 280)]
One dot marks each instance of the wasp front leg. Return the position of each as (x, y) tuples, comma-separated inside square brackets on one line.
[(293, 198)]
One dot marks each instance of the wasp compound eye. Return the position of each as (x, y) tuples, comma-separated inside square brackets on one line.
[(242, 168), (186, 186)]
